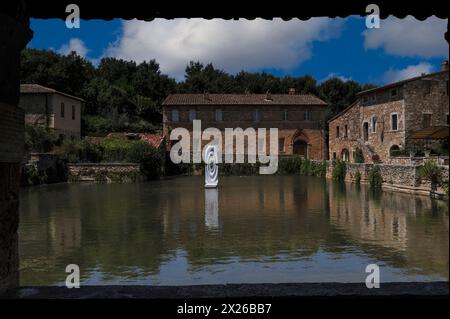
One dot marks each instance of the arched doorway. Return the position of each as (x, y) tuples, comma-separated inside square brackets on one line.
[(301, 148)]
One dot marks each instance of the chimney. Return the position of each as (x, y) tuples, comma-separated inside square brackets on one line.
[(268, 96), (291, 91), (444, 65)]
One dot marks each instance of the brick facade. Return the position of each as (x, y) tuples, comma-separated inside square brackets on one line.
[(384, 118), (298, 124)]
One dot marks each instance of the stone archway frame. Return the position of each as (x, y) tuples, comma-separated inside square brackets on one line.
[(301, 136)]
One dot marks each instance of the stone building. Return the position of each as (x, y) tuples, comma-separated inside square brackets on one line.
[(299, 118), (386, 121), (56, 110)]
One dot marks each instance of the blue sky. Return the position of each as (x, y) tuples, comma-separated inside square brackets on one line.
[(321, 47)]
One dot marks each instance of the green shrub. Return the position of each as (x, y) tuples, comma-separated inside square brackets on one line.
[(100, 125), (101, 176), (289, 165), (96, 125), (305, 167), (138, 151), (359, 156), (115, 148), (430, 171), (39, 139), (357, 178), (32, 176), (151, 163), (319, 169), (339, 170), (445, 187), (375, 178), (75, 151)]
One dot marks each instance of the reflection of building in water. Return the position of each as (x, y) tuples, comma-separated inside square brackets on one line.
[(414, 227), (65, 232), (211, 208), (381, 222)]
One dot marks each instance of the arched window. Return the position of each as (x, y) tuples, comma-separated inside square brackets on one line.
[(345, 155), (366, 131), (394, 150)]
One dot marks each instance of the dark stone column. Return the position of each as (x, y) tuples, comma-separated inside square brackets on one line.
[(14, 35)]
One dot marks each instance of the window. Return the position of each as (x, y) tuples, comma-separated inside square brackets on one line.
[(62, 110), (365, 99), (374, 124), (175, 116), (345, 131), (394, 121), (337, 131), (219, 115), (192, 115), (285, 115), (366, 131), (394, 150), (73, 112), (256, 118), (345, 155), (394, 92), (334, 155), (281, 145), (426, 120), (306, 115)]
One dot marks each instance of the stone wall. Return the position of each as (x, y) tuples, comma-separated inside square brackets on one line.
[(104, 172), (14, 34), (9, 223), (402, 178), (410, 100)]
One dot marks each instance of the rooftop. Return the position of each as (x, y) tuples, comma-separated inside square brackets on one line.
[(40, 89), (243, 99), (390, 85)]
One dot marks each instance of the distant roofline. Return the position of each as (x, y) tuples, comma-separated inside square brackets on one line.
[(264, 102), (394, 84), (49, 91), (390, 85)]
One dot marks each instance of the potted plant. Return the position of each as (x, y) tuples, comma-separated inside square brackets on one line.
[(431, 171), (375, 158), (412, 150)]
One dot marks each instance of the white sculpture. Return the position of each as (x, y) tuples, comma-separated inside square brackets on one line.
[(211, 159)]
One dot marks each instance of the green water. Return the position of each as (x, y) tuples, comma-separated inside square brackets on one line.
[(252, 230)]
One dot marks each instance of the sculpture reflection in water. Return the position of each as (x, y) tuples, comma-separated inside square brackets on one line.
[(211, 208)]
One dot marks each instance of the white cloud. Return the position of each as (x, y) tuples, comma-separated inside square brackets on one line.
[(231, 45), (394, 75), (336, 75), (76, 45), (409, 37)]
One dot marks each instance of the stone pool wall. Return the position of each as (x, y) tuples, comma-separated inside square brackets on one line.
[(396, 177), (104, 172)]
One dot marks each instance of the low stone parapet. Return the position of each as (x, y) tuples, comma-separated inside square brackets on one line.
[(104, 172), (397, 177)]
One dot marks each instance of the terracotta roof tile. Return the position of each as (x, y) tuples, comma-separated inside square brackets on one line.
[(37, 89), (242, 99), (154, 140)]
